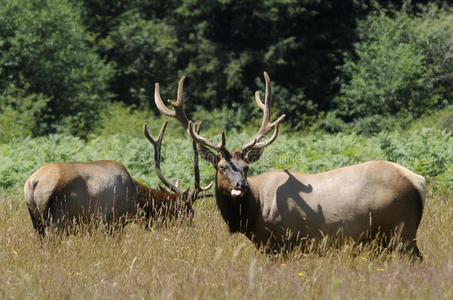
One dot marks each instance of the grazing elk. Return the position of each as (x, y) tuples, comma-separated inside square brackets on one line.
[(62, 194), (280, 209)]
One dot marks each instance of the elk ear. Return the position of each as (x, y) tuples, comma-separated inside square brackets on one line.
[(252, 155), (209, 156)]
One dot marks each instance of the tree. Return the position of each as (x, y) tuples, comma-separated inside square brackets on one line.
[(45, 51), (402, 65), (226, 45), (143, 52)]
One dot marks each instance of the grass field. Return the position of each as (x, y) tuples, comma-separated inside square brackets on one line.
[(204, 261)]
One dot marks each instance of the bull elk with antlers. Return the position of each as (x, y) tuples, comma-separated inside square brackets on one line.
[(62, 194), (280, 209)]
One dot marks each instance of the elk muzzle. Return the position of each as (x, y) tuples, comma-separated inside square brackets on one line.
[(239, 188)]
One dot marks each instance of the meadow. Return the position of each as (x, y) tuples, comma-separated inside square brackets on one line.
[(202, 260)]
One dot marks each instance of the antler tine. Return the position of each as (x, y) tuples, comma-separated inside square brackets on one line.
[(266, 126), (157, 144), (265, 107), (196, 167), (220, 147), (254, 152), (178, 105), (205, 188), (274, 135)]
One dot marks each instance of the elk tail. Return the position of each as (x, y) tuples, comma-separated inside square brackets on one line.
[(29, 195), (419, 183)]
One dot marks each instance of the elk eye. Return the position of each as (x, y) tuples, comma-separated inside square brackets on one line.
[(222, 168)]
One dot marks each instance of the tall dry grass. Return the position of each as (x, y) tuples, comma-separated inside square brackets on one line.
[(204, 261)]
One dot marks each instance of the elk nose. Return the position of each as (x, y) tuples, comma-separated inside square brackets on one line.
[(242, 185)]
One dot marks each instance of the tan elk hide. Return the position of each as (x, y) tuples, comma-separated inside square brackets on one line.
[(63, 193), (280, 209)]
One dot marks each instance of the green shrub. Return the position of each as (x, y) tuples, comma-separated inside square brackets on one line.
[(426, 151), (117, 118), (367, 125), (441, 119), (44, 50), (402, 65), (222, 119), (20, 115), (445, 180)]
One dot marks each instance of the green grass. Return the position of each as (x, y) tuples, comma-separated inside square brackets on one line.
[(205, 261), (428, 152)]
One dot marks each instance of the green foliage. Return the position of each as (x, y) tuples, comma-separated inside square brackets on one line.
[(441, 119), (224, 118), (300, 111), (403, 65), (223, 47), (228, 44), (377, 123), (143, 52), (444, 180), (102, 16), (117, 118), (45, 51), (428, 152), (391, 151), (399, 68), (19, 115)]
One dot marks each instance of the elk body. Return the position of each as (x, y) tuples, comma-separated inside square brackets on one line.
[(280, 209), (63, 193)]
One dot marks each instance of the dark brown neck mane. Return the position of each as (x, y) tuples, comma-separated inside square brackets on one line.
[(153, 201), (238, 213)]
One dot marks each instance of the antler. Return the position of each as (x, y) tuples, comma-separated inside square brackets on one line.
[(220, 147), (255, 146), (157, 144), (179, 114), (178, 105), (157, 150), (196, 169), (251, 151)]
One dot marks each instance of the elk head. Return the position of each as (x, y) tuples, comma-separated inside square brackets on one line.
[(231, 166)]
